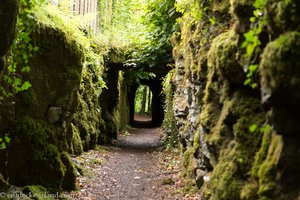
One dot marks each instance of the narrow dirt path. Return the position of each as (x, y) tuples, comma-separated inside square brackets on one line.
[(133, 169), (131, 172)]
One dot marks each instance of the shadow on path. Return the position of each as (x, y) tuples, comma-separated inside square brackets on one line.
[(142, 139)]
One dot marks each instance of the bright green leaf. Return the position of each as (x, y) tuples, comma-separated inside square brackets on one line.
[(25, 69), (25, 86), (253, 128), (253, 68), (265, 128), (247, 81), (253, 85), (7, 139), (2, 145)]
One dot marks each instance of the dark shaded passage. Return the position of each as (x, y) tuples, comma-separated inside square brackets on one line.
[(157, 110)]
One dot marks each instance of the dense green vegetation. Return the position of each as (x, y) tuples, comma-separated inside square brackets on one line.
[(143, 100)]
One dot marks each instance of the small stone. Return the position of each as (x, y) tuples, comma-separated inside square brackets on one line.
[(54, 114)]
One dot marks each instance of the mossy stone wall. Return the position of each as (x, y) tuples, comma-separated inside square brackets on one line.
[(39, 120), (238, 142), (62, 113)]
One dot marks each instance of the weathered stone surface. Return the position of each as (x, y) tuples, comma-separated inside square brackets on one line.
[(234, 146), (53, 114)]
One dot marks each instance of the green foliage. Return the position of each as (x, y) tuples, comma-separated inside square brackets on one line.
[(205, 13), (21, 51), (160, 19), (143, 97), (252, 43), (144, 28), (265, 128), (253, 128), (61, 17), (120, 22), (169, 123), (4, 141)]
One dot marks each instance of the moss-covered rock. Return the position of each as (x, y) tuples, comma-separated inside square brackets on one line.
[(189, 162), (122, 109), (222, 55), (283, 15), (87, 117), (245, 149), (267, 171), (36, 192), (69, 180), (76, 147), (33, 157), (279, 69)]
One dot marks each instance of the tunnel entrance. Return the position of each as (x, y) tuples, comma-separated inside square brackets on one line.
[(143, 104), (154, 112)]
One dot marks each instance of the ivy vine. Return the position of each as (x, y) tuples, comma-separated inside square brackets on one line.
[(22, 49), (20, 53), (252, 42)]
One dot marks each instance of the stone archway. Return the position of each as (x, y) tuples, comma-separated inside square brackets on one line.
[(157, 111)]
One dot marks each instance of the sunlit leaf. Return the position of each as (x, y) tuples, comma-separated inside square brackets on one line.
[(253, 128), (25, 86)]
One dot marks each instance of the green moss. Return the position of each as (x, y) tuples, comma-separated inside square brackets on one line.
[(169, 124), (279, 68), (38, 192), (34, 159), (189, 187), (87, 118), (283, 15), (230, 134), (267, 171), (122, 109), (225, 184), (249, 191), (262, 153), (167, 181), (242, 10), (221, 5), (220, 129), (69, 181), (188, 160), (77, 147), (247, 143), (222, 55)]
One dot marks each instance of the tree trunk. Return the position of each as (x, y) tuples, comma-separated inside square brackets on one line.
[(149, 106), (144, 100)]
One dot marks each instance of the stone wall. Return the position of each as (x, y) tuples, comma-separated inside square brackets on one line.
[(238, 142), (61, 114), (40, 117)]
